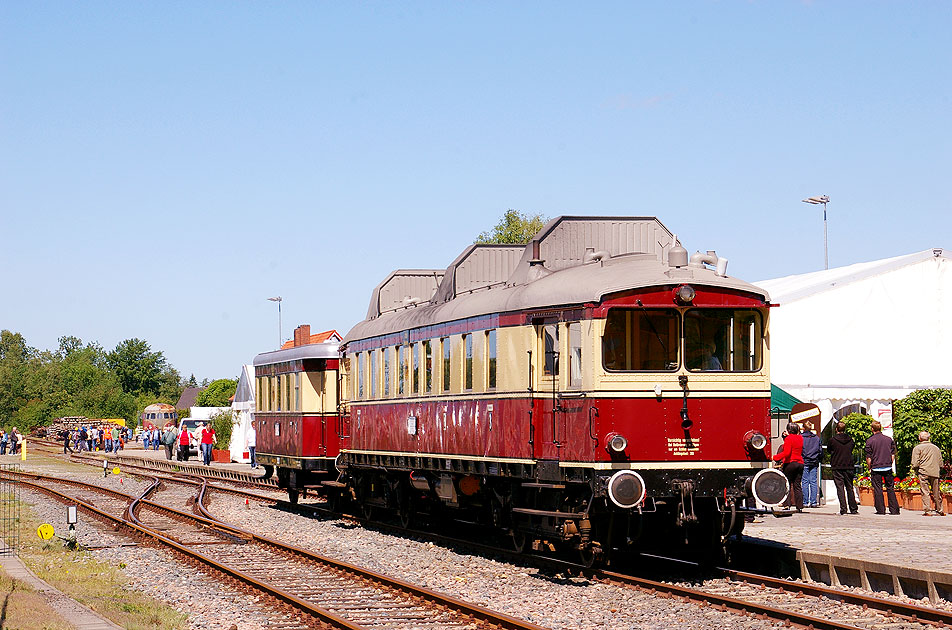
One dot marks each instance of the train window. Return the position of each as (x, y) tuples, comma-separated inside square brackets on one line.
[(297, 391), (427, 366), (402, 370), (640, 340), (491, 359), (575, 354), (468, 362), (386, 372), (550, 350), (415, 373), (445, 342), (373, 373), (723, 340), (287, 392), (360, 375)]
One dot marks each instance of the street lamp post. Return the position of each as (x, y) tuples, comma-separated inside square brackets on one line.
[(823, 199), (278, 300)]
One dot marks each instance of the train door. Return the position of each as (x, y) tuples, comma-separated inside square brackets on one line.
[(549, 418)]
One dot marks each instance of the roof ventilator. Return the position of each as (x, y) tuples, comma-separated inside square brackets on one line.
[(591, 255), (710, 258)]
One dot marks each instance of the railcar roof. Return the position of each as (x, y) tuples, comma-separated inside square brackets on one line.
[(326, 350), (573, 285)]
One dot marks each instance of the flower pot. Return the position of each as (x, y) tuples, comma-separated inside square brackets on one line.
[(948, 503), (912, 500), (865, 496), (221, 456)]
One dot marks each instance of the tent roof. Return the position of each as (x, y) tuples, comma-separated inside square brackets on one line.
[(790, 288), (869, 331)]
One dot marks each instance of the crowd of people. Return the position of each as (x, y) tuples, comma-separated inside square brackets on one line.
[(12, 440), (109, 438), (800, 461)]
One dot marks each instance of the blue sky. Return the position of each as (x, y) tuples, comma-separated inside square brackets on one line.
[(167, 166)]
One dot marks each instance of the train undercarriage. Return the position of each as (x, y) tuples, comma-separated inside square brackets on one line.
[(583, 514)]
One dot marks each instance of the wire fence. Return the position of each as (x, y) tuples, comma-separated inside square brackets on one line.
[(9, 510)]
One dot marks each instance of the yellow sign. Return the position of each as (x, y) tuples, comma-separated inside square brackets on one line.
[(45, 531), (116, 470)]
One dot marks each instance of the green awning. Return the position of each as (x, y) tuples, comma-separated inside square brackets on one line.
[(781, 399)]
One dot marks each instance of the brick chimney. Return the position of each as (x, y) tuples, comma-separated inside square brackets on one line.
[(302, 335)]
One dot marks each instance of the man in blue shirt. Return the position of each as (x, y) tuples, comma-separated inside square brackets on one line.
[(812, 452)]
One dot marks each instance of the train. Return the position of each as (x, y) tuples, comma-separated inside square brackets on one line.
[(595, 391)]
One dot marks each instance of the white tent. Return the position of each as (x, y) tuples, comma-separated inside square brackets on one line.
[(856, 338), (243, 407)]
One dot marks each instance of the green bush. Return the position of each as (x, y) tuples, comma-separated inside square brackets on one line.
[(223, 422), (922, 410), (859, 427)]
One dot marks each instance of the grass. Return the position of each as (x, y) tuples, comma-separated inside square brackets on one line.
[(24, 609), (98, 585)]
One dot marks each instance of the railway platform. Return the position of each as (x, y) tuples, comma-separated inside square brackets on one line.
[(906, 554)]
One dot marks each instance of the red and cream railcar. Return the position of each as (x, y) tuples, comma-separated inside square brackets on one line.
[(592, 390), (299, 429)]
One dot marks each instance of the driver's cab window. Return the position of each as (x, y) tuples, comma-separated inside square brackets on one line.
[(641, 340)]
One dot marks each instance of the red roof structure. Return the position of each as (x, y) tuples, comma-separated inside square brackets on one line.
[(303, 337)]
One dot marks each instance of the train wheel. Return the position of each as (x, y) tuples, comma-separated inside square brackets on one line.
[(293, 496), (589, 556), (268, 472), (403, 515), (518, 540)]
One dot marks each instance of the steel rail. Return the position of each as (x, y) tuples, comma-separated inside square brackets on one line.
[(911, 612), (724, 602), (459, 606)]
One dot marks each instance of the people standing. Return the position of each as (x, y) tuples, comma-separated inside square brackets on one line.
[(791, 454), (156, 437), (4, 440), (146, 438), (86, 435), (927, 464), (184, 438), (812, 452), (207, 442), (66, 437), (840, 448), (252, 441), (881, 460), (168, 440), (14, 441)]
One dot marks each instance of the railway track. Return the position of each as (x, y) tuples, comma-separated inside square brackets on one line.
[(797, 603), (320, 590)]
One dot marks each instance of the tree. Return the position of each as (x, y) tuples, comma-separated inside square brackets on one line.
[(138, 368), (191, 382), (922, 410), (217, 393), (514, 228), (858, 427)]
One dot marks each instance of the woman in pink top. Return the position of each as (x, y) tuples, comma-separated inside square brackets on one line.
[(208, 439), (184, 439), (792, 457)]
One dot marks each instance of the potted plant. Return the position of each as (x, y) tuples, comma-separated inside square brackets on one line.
[(911, 493), (946, 487), (223, 422), (865, 486)]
